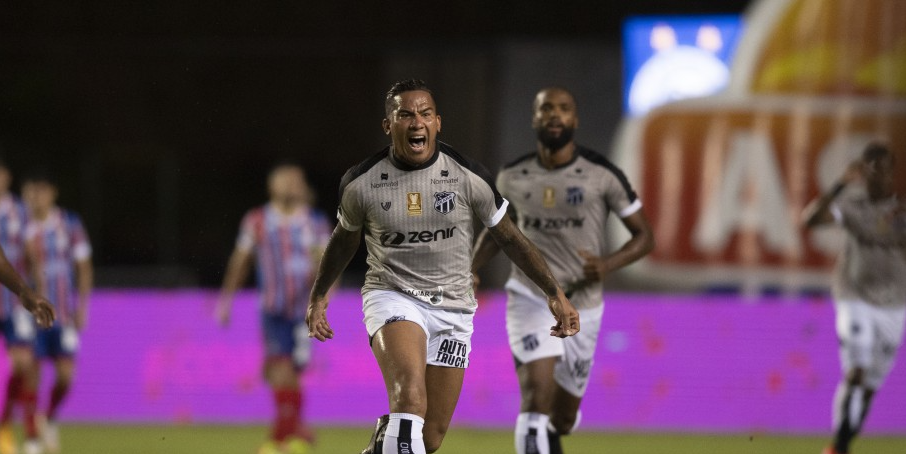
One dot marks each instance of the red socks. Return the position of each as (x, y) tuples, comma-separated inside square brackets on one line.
[(30, 410), (289, 406), (13, 391)]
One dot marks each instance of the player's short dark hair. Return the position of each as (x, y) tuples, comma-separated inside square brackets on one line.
[(403, 86), (284, 163), (39, 175), (875, 151)]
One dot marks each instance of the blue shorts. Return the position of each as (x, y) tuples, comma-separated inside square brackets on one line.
[(19, 329), (286, 338), (57, 342)]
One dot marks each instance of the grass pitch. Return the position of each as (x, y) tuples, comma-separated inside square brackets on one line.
[(102, 439)]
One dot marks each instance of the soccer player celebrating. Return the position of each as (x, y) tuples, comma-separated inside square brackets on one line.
[(286, 238), (59, 252), (415, 202), (561, 195), (869, 283), (18, 327)]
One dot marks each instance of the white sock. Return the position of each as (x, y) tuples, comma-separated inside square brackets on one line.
[(531, 433), (853, 411), (404, 434)]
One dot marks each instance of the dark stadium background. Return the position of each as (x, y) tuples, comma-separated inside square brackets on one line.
[(160, 120)]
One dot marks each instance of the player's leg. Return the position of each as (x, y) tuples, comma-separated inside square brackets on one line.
[(282, 377), (571, 374), (444, 385), (400, 349), (19, 332), (65, 370), (856, 335)]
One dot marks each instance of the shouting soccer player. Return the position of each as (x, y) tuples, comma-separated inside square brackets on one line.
[(18, 327), (415, 202), (869, 284), (561, 195), (60, 256), (285, 238)]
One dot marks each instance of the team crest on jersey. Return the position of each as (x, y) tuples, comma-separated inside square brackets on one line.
[(444, 202), (575, 195), (385, 206), (414, 203)]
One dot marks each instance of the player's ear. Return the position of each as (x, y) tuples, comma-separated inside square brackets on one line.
[(437, 119), (385, 124)]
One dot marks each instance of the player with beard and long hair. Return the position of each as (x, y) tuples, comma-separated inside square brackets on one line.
[(561, 195)]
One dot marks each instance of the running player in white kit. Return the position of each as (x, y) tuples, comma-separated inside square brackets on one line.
[(415, 202), (561, 195), (869, 284)]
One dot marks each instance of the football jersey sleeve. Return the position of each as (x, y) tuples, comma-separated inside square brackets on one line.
[(487, 204), (81, 246), (246, 240), (619, 195), (350, 214)]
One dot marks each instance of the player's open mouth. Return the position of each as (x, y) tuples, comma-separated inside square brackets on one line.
[(417, 143)]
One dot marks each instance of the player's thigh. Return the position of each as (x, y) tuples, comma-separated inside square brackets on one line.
[(65, 368), (855, 331), (889, 324), (400, 350), (536, 384), (528, 323), (444, 385), (573, 372)]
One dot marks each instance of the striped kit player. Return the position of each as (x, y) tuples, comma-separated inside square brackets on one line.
[(561, 196), (284, 240), (415, 203), (869, 283)]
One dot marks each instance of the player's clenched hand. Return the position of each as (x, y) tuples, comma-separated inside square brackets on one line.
[(316, 319), (565, 314), (595, 268), (39, 307)]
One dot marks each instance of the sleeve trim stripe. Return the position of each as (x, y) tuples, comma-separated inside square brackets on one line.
[(501, 212), (633, 207)]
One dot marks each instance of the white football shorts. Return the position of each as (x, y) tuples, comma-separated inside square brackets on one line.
[(448, 332), (869, 337), (528, 324)]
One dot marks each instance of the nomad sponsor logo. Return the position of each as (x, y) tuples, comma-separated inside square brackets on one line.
[(424, 236), (452, 353), (444, 173), (444, 202), (414, 203), (395, 318), (385, 184), (575, 195), (445, 180), (385, 206), (552, 223), (384, 176)]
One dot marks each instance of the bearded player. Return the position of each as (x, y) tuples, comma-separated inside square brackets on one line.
[(869, 283), (415, 203), (284, 239), (561, 195)]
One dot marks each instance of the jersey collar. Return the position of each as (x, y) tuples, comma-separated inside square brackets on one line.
[(409, 167)]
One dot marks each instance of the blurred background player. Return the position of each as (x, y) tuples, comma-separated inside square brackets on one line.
[(286, 238), (415, 202), (59, 254), (869, 285), (18, 326), (561, 195)]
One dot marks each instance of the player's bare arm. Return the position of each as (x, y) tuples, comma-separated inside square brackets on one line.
[(818, 211), (340, 249), (639, 245), (526, 256), (238, 269), (39, 306), (85, 282)]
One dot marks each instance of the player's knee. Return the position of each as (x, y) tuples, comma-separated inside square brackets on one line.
[(856, 376), (433, 438), (563, 424), (408, 399)]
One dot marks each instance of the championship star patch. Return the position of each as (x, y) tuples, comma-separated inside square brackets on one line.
[(444, 202)]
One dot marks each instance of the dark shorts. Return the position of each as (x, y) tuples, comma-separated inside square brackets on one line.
[(57, 342), (286, 337), (19, 329)]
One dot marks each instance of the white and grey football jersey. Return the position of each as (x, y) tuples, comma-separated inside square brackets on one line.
[(872, 266), (418, 223), (564, 210)]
